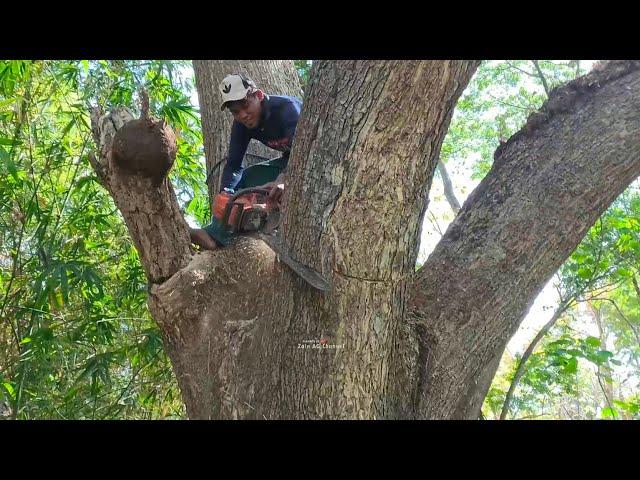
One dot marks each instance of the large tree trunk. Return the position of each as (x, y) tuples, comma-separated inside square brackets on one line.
[(278, 77), (361, 168), (396, 344)]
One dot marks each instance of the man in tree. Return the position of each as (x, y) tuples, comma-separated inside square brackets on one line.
[(270, 119)]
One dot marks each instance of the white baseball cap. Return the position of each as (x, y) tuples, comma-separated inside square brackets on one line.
[(235, 87)]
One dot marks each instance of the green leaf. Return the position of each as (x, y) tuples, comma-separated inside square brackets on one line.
[(584, 273), (66, 129), (43, 334), (592, 341), (602, 356), (64, 283), (609, 412), (6, 102), (11, 166), (571, 366), (624, 272), (621, 404), (85, 181), (9, 389)]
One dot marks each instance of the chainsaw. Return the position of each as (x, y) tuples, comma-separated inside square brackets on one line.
[(246, 211)]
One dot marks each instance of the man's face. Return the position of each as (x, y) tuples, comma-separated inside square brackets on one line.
[(247, 111)]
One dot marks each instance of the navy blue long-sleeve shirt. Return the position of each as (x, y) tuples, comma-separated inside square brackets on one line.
[(277, 127)]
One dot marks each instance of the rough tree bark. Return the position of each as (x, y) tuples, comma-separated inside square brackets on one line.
[(548, 185), (150, 212), (422, 345), (278, 77), (363, 162)]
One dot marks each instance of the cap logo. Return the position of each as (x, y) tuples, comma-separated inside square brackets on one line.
[(226, 89)]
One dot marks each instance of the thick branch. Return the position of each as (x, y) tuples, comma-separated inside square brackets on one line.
[(549, 183), (373, 173), (148, 205)]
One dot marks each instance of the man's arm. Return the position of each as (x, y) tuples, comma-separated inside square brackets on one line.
[(237, 148), (290, 117)]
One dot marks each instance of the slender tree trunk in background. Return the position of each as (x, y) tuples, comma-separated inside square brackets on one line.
[(520, 370), (542, 78), (448, 188), (277, 77), (237, 323), (603, 371), (636, 286)]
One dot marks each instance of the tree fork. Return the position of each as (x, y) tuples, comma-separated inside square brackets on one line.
[(231, 327)]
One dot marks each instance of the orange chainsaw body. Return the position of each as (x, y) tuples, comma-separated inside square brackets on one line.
[(241, 213)]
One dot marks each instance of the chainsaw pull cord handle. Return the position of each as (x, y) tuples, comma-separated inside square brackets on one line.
[(231, 203)]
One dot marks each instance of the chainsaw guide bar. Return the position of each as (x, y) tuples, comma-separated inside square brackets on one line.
[(312, 277)]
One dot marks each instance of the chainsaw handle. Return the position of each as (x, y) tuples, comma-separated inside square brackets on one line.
[(227, 211), (244, 191)]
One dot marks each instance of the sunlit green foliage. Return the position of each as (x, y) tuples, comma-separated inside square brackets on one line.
[(598, 375), (304, 68), (76, 339), (496, 104)]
